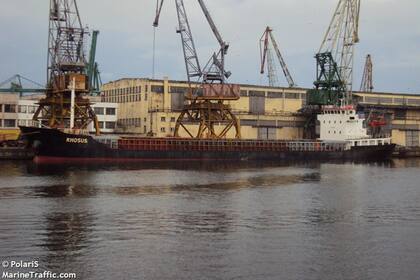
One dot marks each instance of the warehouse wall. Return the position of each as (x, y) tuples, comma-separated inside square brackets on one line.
[(158, 103), (153, 106)]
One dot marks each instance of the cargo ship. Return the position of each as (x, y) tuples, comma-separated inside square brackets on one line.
[(342, 137)]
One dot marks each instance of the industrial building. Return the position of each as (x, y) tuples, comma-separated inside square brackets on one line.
[(151, 107), (16, 110)]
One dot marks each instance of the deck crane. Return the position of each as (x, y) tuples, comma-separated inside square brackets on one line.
[(367, 80), (267, 58), (333, 85), (209, 89)]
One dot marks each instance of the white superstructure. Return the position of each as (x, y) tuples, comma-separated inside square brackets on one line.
[(344, 124)]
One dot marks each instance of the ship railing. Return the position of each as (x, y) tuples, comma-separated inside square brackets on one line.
[(231, 145), (109, 142), (316, 146), (76, 131), (370, 142)]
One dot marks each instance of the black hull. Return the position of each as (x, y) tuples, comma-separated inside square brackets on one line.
[(53, 146)]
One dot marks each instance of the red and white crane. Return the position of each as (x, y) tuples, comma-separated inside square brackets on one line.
[(267, 59)]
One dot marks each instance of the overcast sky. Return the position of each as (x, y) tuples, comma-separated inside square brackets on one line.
[(389, 31)]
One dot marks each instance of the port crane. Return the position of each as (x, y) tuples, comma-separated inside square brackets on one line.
[(367, 79), (66, 62), (69, 74), (377, 118), (25, 86), (267, 58), (333, 85), (15, 84), (92, 68), (207, 86)]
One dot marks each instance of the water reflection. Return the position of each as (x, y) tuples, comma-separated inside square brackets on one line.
[(203, 222), (215, 221)]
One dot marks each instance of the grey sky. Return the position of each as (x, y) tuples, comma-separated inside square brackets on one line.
[(389, 30)]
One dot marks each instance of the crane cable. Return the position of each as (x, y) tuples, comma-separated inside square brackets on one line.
[(154, 52), (154, 42)]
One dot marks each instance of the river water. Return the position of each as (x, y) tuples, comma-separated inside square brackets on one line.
[(214, 221)]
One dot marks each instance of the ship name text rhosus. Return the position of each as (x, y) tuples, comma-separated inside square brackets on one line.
[(77, 140)]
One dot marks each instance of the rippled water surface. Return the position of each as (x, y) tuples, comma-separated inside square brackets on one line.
[(215, 221)]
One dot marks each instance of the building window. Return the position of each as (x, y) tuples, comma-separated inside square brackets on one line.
[(172, 129), (179, 90), (257, 104), (101, 124), (9, 123), (273, 94), (162, 129), (138, 122), (157, 89), (110, 125), (290, 95), (9, 108), (23, 109), (163, 119), (22, 122), (145, 97), (1, 108), (99, 110), (144, 129), (400, 114), (110, 111), (173, 119), (412, 138)]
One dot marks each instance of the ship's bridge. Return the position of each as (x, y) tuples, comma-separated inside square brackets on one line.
[(341, 124)]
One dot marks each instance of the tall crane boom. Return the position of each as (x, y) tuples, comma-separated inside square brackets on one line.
[(192, 63), (367, 80), (92, 71), (223, 45), (215, 68), (335, 57), (204, 106), (158, 12), (266, 55)]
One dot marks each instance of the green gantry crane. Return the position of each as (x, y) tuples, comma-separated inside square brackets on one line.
[(333, 85)]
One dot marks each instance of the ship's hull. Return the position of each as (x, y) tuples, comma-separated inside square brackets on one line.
[(54, 146)]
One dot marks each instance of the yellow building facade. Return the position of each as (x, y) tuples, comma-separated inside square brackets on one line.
[(151, 107), (405, 114)]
